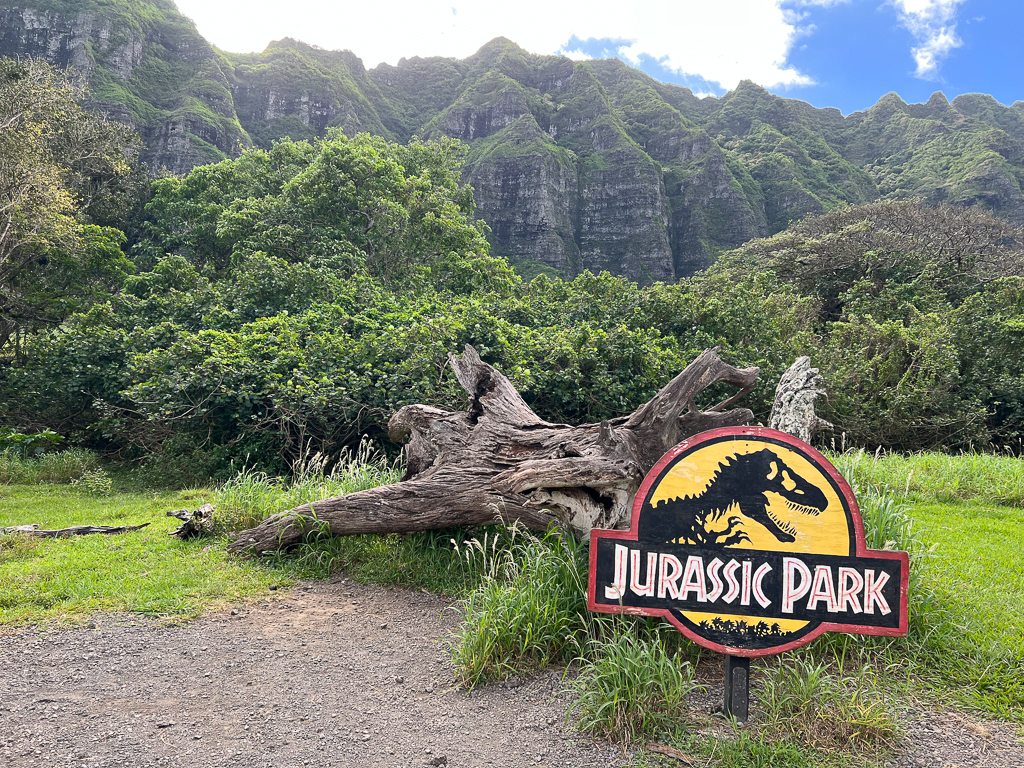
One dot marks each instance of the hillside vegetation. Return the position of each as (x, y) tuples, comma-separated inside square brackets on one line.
[(298, 296), (575, 165)]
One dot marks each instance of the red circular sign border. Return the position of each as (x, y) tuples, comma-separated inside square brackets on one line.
[(858, 533)]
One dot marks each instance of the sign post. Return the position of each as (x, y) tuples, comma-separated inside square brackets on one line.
[(737, 688), (750, 543)]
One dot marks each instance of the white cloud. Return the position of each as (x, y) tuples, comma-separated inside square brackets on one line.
[(723, 41), (576, 55), (933, 25)]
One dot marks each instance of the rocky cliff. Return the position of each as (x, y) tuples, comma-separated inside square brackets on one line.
[(146, 65), (575, 165)]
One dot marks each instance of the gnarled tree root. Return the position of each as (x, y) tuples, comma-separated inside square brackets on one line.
[(498, 460)]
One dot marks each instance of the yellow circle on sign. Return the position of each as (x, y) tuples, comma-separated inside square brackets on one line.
[(788, 479)]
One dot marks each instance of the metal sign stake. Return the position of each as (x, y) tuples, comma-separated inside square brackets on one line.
[(737, 688)]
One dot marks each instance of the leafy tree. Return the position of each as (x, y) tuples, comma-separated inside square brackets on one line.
[(306, 292), (58, 162), (988, 330), (948, 249), (355, 206), (918, 318)]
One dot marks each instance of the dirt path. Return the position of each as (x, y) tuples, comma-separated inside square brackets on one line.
[(330, 674)]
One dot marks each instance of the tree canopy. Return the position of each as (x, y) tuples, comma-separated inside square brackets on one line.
[(298, 296), (62, 170)]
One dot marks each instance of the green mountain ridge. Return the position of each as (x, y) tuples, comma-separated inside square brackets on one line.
[(575, 165)]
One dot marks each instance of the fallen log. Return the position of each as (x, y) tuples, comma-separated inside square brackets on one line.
[(498, 460), (75, 530)]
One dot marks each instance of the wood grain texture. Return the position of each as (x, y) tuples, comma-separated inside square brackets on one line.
[(498, 460)]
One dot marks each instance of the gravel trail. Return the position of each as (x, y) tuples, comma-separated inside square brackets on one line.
[(329, 674)]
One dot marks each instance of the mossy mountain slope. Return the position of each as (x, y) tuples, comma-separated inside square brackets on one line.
[(146, 65), (575, 165)]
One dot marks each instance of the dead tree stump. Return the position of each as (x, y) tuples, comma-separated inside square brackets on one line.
[(196, 522), (498, 460), (793, 409)]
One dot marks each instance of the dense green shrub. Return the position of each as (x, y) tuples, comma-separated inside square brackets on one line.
[(306, 292)]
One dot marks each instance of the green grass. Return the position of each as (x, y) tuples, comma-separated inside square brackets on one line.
[(833, 703), (978, 566), (251, 496), (529, 610), (424, 560), (64, 467), (145, 571), (967, 639), (632, 687), (939, 477), (836, 702), (980, 545)]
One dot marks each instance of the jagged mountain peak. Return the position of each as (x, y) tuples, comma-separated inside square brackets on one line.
[(575, 164)]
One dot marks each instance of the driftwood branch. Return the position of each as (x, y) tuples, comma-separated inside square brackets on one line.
[(75, 530), (193, 523), (498, 460)]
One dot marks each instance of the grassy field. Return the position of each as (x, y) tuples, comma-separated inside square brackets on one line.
[(979, 553), (837, 702), (145, 571), (969, 510)]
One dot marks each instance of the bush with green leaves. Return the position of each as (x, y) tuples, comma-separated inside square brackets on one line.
[(309, 291), (28, 444), (95, 482), (918, 321)]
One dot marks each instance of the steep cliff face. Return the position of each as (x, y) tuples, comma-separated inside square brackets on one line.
[(710, 205), (783, 144), (76, 40), (575, 165), (555, 173), (970, 152), (146, 65), (292, 89), (526, 189)]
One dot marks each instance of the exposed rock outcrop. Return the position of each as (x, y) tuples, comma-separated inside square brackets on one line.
[(575, 165), (151, 70)]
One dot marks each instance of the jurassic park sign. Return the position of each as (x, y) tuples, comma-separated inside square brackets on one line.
[(751, 543)]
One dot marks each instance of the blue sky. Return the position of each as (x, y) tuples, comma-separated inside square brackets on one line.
[(859, 51), (831, 53), (854, 52)]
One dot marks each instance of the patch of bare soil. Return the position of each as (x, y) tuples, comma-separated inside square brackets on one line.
[(331, 674)]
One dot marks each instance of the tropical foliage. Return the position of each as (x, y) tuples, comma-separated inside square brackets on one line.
[(63, 173), (297, 296)]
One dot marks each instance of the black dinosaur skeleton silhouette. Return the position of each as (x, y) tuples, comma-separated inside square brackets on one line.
[(742, 481)]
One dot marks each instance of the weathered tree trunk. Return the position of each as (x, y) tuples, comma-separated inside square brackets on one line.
[(793, 409), (498, 460)]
